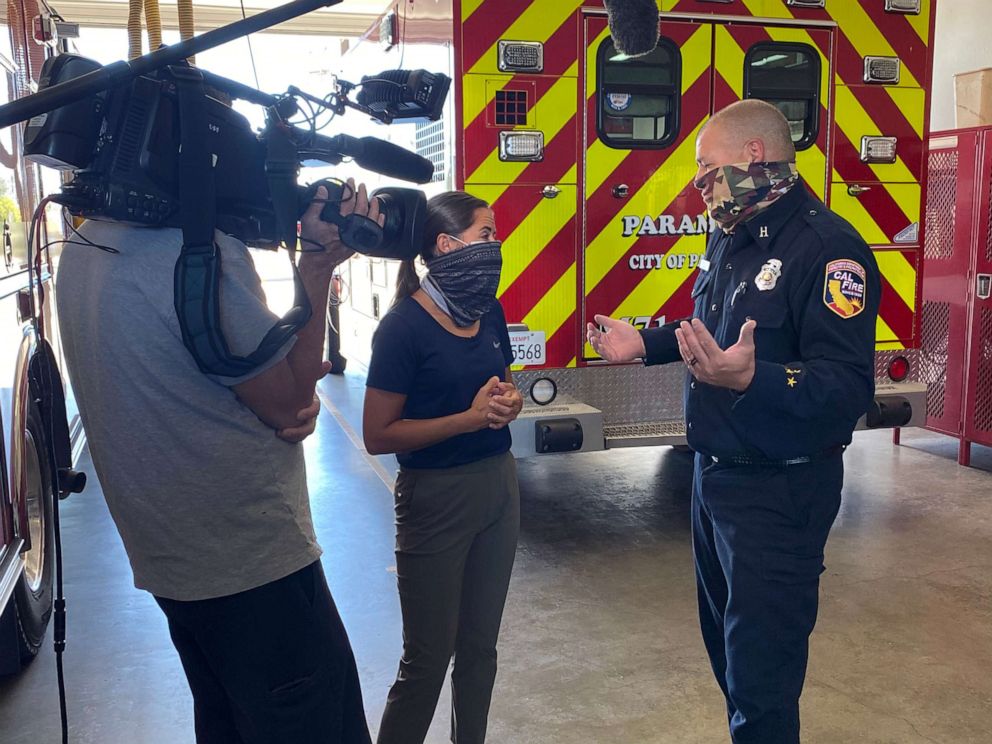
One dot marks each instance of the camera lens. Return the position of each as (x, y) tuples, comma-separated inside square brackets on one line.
[(404, 212), (403, 229), (395, 216)]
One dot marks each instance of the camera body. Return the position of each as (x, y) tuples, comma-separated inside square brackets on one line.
[(125, 157)]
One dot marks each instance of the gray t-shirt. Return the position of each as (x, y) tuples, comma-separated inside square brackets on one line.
[(208, 501)]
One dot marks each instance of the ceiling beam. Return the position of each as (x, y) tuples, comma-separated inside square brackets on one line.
[(103, 14)]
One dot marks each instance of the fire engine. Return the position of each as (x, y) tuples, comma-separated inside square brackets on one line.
[(587, 157), (35, 449)]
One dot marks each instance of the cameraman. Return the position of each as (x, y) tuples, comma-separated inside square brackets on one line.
[(212, 506)]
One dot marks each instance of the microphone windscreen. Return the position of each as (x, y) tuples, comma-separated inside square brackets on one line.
[(393, 161), (633, 25)]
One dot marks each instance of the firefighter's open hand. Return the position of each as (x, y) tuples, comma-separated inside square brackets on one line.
[(733, 368), (619, 342), (308, 423), (505, 405)]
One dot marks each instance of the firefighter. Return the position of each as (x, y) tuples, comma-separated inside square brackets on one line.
[(780, 359), (332, 334)]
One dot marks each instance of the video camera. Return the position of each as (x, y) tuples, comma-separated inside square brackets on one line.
[(150, 142), (124, 146)]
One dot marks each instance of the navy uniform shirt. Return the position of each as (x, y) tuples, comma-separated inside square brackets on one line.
[(812, 285)]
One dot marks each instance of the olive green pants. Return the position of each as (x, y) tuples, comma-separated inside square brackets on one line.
[(456, 536)]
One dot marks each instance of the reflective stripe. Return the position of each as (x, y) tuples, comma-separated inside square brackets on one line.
[(535, 23)]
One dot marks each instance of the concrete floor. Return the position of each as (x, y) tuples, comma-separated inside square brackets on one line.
[(599, 643)]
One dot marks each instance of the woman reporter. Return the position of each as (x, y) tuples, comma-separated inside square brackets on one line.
[(439, 395)]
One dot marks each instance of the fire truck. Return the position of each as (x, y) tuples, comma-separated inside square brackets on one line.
[(587, 158), (35, 449)]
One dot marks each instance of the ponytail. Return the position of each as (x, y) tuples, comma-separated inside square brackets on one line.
[(449, 213), (407, 281)]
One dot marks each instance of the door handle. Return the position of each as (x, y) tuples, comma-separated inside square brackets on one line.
[(621, 191), (856, 189), (550, 192)]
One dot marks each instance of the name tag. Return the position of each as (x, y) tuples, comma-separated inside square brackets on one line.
[(704, 264)]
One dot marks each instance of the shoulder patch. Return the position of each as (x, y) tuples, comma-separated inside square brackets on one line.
[(845, 287)]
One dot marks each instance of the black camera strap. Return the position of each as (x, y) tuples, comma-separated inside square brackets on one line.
[(282, 167), (198, 270)]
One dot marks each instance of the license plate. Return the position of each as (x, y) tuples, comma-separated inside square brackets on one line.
[(528, 348)]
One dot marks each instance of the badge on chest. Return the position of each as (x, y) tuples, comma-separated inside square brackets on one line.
[(769, 274)]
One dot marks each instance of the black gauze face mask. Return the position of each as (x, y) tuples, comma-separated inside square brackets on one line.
[(465, 281)]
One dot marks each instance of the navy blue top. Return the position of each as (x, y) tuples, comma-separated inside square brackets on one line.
[(440, 374), (813, 286)]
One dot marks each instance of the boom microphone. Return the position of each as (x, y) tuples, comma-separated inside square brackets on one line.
[(380, 156), (633, 25)]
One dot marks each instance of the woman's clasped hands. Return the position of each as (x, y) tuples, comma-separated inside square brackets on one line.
[(496, 404)]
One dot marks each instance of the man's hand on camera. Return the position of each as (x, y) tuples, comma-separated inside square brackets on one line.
[(315, 232)]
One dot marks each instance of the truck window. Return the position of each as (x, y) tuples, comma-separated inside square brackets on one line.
[(787, 76), (639, 97)]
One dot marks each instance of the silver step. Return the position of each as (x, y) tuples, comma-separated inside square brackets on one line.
[(644, 433)]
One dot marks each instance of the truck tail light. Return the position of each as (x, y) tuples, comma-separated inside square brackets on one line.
[(898, 369)]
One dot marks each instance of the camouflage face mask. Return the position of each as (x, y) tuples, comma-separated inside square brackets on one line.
[(741, 190)]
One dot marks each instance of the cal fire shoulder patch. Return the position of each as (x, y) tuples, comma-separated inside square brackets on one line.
[(844, 287)]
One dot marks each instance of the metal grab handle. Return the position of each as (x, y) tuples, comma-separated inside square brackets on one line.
[(550, 192), (856, 189), (983, 286)]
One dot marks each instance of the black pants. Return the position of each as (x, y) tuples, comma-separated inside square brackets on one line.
[(758, 538), (271, 665), (456, 537)]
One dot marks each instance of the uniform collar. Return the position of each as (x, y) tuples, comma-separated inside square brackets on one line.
[(765, 226)]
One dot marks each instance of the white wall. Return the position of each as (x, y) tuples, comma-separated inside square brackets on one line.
[(962, 43)]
